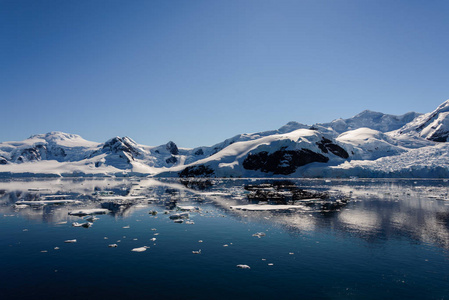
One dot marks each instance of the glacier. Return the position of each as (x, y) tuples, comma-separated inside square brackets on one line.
[(370, 144)]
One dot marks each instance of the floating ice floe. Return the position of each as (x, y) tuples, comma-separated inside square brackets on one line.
[(179, 216), (126, 227), (153, 239), (243, 267), (85, 225), (92, 211), (112, 246), (140, 249), (179, 221), (20, 206), (187, 208), (70, 241), (190, 222), (196, 252), (259, 234)]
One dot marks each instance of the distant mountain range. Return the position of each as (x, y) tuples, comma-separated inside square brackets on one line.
[(370, 144)]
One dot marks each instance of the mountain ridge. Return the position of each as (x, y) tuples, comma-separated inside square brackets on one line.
[(356, 146)]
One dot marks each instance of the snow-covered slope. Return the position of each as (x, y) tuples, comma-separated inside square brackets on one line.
[(370, 144), (433, 126), (371, 119)]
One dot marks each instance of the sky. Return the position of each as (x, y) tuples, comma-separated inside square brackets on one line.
[(198, 72)]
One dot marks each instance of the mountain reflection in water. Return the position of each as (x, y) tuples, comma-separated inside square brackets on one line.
[(373, 210)]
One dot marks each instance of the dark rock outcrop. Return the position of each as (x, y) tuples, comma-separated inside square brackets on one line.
[(28, 154), (172, 148), (327, 146), (197, 171), (171, 160), (282, 162), (3, 161), (117, 145), (199, 152)]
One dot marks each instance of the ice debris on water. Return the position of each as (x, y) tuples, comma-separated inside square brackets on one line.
[(153, 239), (85, 225), (179, 216), (126, 227), (259, 234), (178, 221), (243, 267), (112, 245), (85, 212), (92, 218), (70, 241), (140, 249), (196, 252)]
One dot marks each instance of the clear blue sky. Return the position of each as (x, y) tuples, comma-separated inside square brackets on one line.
[(198, 72)]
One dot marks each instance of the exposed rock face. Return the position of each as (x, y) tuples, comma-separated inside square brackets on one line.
[(172, 148), (199, 152), (28, 154), (171, 160), (282, 162), (3, 160), (197, 171), (327, 146), (117, 145)]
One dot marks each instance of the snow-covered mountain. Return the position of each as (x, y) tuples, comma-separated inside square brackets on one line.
[(370, 144)]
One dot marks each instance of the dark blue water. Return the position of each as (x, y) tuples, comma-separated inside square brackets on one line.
[(389, 241)]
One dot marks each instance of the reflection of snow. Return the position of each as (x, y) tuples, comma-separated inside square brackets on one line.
[(360, 220), (265, 207)]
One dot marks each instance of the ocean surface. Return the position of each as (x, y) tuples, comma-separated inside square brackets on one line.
[(296, 239)]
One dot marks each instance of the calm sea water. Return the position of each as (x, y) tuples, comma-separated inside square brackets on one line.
[(387, 239)]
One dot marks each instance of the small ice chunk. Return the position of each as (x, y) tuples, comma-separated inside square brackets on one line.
[(140, 249), (126, 227), (243, 267), (56, 248), (85, 225), (70, 241), (270, 264), (197, 252), (92, 218), (154, 229), (291, 253), (200, 241), (112, 246), (44, 251), (152, 239), (259, 234), (226, 245), (178, 221)]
